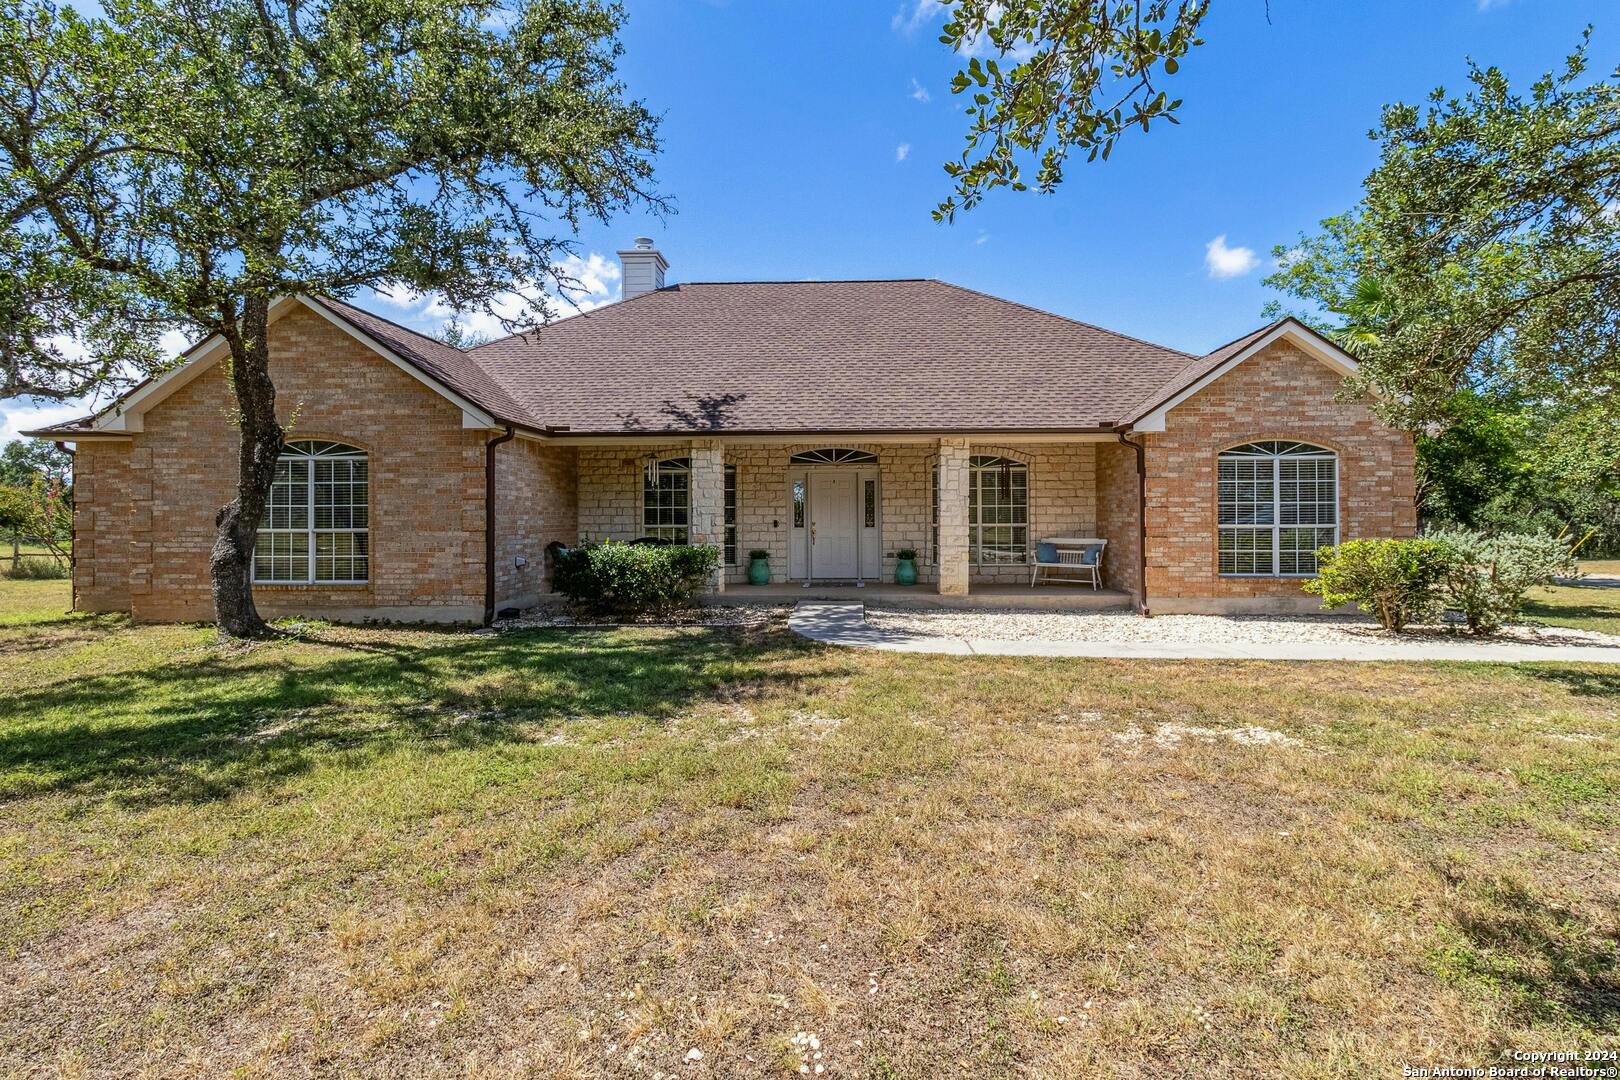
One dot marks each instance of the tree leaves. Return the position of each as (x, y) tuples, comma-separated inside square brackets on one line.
[(1081, 75)]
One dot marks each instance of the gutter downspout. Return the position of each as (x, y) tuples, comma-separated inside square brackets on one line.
[(1141, 519), (489, 524)]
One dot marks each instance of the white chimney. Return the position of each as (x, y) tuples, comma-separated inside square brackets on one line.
[(644, 267)]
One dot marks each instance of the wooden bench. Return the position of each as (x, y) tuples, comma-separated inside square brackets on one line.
[(1071, 557)]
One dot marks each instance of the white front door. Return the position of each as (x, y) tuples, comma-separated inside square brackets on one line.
[(834, 547)]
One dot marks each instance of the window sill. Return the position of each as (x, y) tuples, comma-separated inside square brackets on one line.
[(291, 586), (1274, 577)]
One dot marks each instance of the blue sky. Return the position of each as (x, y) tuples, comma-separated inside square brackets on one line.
[(805, 141)]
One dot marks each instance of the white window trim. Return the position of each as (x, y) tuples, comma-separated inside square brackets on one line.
[(1276, 526), (976, 528), (311, 531)]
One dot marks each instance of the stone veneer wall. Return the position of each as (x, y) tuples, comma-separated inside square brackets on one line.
[(1063, 498), (1279, 394), (427, 487)]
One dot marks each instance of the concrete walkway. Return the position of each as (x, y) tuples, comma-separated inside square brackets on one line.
[(844, 623)]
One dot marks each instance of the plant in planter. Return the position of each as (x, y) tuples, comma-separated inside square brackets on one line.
[(905, 566), (759, 567)]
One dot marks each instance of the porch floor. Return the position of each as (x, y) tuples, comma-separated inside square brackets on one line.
[(979, 596)]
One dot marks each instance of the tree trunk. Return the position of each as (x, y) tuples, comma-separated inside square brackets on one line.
[(231, 565)]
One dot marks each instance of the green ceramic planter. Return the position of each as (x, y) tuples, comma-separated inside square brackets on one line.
[(759, 572), (905, 572)]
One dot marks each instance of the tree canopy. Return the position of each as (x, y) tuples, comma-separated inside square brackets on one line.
[(1050, 78), (1485, 251), (255, 148)]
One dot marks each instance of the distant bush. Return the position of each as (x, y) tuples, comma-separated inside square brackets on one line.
[(1396, 581), (633, 579), (36, 568), (1487, 577)]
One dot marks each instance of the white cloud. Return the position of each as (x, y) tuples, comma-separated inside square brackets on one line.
[(983, 238), (1488, 5), (919, 92), (595, 280), (24, 414), (902, 151), (915, 14), (1228, 262)]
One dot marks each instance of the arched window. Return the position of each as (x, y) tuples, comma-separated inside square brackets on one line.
[(836, 456), (316, 525), (998, 510), (1279, 502), (666, 504)]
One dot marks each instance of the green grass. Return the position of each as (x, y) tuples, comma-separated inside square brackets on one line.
[(1600, 566), (386, 851)]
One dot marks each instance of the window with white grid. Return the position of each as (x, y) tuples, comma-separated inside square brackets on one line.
[(316, 523), (998, 510), (666, 501), (731, 515), (1278, 503)]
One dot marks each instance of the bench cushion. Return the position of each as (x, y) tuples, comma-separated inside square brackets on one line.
[(1090, 555), (1046, 553)]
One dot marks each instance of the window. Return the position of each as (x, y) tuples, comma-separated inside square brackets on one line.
[(316, 524), (798, 504), (731, 516), (666, 500), (666, 504), (869, 503), (933, 514), (998, 510), (1279, 502), (834, 457)]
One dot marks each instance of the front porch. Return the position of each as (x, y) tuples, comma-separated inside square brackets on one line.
[(840, 510), (1042, 598)]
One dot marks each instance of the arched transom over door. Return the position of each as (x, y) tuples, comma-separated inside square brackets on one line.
[(835, 530)]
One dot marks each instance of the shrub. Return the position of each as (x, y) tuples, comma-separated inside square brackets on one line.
[(36, 568), (633, 579), (906, 553), (1397, 581), (1487, 577), (758, 553)]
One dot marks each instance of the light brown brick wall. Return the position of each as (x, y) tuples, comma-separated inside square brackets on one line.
[(1279, 394), (103, 509), (427, 483), (534, 504), (1117, 512)]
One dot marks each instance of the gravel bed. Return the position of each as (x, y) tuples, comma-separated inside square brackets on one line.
[(705, 615), (999, 624)]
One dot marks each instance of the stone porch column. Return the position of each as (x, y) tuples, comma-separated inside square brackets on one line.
[(953, 517), (709, 501)]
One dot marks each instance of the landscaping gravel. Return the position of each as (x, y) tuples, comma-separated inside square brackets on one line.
[(1024, 625)]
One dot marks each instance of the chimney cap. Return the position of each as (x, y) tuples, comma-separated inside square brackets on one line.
[(645, 243)]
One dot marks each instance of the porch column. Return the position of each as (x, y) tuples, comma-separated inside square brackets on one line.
[(953, 517), (709, 501)]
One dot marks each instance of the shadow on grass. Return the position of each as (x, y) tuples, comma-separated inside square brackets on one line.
[(192, 730), (1557, 966), (1581, 682)]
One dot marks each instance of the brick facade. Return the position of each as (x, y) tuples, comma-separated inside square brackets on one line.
[(145, 505), (1281, 393)]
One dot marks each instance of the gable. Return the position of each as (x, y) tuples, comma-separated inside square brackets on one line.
[(1288, 336), (127, 415)]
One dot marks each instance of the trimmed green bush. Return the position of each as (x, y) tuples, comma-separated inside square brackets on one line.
[(1487, 577), (619, 579), (1396, 581)]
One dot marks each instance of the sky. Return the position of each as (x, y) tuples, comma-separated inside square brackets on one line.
[(804, 141)]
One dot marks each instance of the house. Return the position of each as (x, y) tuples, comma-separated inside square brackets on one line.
[(828, 422)]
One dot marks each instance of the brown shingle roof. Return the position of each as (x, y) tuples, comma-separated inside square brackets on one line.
[(824, 356)]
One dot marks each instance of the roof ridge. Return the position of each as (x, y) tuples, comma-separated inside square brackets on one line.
[(1064, 318)]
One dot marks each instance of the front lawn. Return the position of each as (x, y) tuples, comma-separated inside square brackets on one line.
[(734, 853)]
